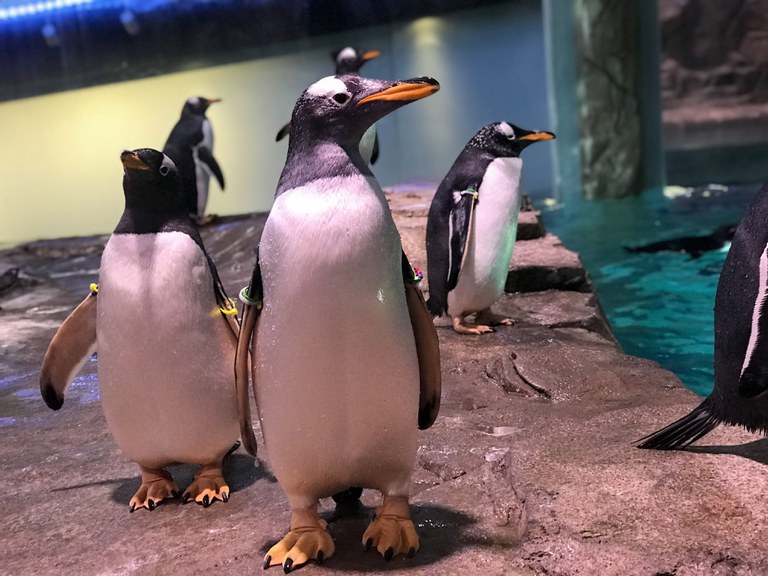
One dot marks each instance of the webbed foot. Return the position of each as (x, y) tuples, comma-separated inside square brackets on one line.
[(493, 319), (461, 326), (307, 540), (208, 486), (392, 532), (156, 486)]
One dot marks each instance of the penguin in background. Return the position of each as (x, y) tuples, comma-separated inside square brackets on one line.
[(166, 336), (330, 421), (190, 146), (472, 225), (349, 61), (740, 394)]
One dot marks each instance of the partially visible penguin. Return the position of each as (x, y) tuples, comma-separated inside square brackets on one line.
[(166, 340), (190, 146), (740, 394), (349, 61), (472, 225), (345, 356)]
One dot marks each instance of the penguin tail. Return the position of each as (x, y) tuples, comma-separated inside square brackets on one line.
[(687, 430)]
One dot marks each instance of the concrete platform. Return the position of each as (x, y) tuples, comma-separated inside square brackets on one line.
[(529, 469)]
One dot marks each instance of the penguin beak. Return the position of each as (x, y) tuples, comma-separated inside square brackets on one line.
[(534, 136), (131, 160), (213, 100), (407, 91), (370, 55)]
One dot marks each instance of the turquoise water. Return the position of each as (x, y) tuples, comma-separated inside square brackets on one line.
[(660, 305)]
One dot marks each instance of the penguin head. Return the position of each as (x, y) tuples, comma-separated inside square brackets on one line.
[(342, 108), (150, 180), (505, 140), (349, 61), (198, 105)]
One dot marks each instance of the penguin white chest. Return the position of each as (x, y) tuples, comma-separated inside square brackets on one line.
[(336, 372), (165, 353), (489, 250)]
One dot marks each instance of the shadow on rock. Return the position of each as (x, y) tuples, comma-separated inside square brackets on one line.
[(240, 471), (756, 450), (442, 532)]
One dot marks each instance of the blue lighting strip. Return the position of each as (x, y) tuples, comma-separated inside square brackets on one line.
[(24, 9)]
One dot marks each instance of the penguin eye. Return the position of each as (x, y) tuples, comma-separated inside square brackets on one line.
[(164, 170), (341, 98)]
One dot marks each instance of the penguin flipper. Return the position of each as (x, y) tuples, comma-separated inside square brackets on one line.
[(427, 348), (73, 343), (687, 430), (753, 380), (375, 150), (252, 296), (283, 132), (206, 156)]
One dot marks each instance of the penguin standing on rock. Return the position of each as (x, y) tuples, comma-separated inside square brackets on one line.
[(349, 61), (166, 338), (337, 288), (740, 394), (472, 225), (190, 146)]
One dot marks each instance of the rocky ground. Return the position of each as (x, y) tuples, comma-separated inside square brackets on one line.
[(529, 469)]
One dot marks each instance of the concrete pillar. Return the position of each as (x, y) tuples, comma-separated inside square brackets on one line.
[(604, 74)]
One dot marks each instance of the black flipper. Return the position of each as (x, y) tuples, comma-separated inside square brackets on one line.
[(252, 297), (427, 347), (206, 156), (685, 431), (753, 380), (375, 150), (283, 132)]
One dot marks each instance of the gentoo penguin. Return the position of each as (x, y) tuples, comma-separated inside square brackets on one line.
[(740, 394), (337, 290), (694, 246), (472, 225), (349, 61), (166, 341), (190, 146)]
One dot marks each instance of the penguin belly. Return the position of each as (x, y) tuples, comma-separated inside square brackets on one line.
[(336, 373), (202, 172), (485, 268), (165, 354)]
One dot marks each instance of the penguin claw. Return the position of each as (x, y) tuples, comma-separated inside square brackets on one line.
[(309, 541), (392, 532), (156, 486), (208, 486)]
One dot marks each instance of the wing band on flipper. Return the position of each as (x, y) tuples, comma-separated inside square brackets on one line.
[(73, 343), (753, 380), (427, 348), (251, 296), (460, 230)]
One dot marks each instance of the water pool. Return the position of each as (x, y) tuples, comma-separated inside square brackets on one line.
[(660, 305)]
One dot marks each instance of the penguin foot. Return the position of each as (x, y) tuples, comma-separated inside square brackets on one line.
[(463, 327), (156, 486), (392, 532), (307, 540), (208, 486), (205, 219), (493, 319)]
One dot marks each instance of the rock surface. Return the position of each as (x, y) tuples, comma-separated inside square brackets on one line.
[(529, 469)]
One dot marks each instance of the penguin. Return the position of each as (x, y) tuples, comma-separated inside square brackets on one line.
[(190, 146), (166, 339), (332, 286), (472, 224), (693, 246), (740, 394), (349, 61)]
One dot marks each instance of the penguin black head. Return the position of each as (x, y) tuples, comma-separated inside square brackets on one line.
[(198, 105), (151, 181), (349, 61), (505, 140), (342, 108)]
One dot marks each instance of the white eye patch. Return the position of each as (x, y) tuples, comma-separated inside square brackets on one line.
[(327, 86), (194, 101), (506, 130), (347, 53)]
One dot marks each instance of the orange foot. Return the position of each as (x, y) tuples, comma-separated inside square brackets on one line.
[(463, 327), (156, 486), (392, 531), (208, 486), (307, 540), (493, 319)]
